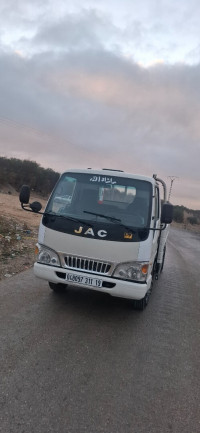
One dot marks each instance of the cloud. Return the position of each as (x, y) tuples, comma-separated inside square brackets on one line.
[(96, 109), (143, 34), (73, 94), (81, 30)]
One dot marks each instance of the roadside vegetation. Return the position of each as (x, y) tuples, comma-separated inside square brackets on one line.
[(17, 172), (17, 245), (187, 218)]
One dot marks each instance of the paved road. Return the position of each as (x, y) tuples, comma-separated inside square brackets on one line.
[(85, 362)]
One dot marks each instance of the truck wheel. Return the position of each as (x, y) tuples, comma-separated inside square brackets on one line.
[(140, 304), (58, 288)]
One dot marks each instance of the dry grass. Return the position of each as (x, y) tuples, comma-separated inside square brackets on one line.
[(18, 235)]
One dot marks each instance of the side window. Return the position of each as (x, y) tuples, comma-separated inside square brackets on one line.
[(63, 195)]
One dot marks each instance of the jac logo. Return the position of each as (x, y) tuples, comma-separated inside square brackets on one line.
[(90, 232)]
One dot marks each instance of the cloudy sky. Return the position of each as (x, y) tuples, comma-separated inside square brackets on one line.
[(98, 83)]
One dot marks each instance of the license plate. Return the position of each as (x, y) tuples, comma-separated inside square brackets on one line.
[(88, 281)]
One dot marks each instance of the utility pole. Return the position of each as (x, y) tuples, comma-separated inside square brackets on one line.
[(172, 179)]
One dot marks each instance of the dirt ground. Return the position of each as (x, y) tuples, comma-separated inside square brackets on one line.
[(18, 234)]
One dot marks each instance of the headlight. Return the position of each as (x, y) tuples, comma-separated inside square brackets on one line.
[(47, 256), (134, 271)]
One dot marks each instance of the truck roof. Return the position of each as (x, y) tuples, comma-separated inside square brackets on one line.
[(110, 172)]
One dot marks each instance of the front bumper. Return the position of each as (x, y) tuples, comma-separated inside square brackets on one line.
[(115, 287)]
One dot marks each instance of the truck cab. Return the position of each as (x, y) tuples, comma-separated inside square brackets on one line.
[(103, 230)]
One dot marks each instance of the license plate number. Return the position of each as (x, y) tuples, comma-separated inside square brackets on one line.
[(88, 281)]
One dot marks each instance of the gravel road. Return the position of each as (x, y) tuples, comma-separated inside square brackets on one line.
[(85, 362)]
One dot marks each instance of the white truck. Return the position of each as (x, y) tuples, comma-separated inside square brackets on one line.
[(104, 230)]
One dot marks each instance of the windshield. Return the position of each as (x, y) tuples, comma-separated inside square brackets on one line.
[(102, 198)]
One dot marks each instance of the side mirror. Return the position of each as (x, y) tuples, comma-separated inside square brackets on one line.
[(167, 213), (36, 206), (24, 195), (24, 198)]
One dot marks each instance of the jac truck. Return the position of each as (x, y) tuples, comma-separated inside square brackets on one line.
[(103, 230)]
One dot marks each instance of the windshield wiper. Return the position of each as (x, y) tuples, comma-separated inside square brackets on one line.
[(68, 218), (103, 216), (115, 220)]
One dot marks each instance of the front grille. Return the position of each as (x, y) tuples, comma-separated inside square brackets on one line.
[(90, 265)]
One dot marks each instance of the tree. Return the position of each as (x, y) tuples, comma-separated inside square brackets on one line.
[(17, 172)]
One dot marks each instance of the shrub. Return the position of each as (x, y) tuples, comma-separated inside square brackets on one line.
[(178, 214), (192, 220)]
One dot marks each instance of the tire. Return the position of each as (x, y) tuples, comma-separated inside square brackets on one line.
[(140, 304), (57, 288)]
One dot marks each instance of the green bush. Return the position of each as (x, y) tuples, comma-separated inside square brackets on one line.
[(192, 220), (178, 214), (17, 172)]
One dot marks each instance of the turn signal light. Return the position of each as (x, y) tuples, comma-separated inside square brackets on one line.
[(144, 268)]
